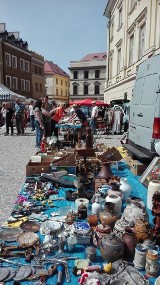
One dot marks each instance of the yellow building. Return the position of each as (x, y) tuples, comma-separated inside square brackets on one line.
[(38, 79), (57, 82)]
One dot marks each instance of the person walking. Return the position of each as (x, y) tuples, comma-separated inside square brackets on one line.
[(94, 115), (19, 114), (9, 118), (31, 115)]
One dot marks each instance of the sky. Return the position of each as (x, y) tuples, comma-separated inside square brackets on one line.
[(60, 30)]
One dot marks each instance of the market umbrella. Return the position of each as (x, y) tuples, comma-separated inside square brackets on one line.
[(88, 102)]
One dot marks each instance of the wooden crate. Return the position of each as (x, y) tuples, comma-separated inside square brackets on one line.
[(137, 167), (37, 168)]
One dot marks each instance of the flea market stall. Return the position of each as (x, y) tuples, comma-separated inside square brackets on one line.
[(82, 217)]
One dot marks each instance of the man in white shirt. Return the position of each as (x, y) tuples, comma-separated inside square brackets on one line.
[(94, 115), (31, 115)]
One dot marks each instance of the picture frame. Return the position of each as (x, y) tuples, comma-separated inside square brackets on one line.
[(152, 172)]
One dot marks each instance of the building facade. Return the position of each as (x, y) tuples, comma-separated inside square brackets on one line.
[(87, 77), (57, 82), (133, 36), (21, 70), (38, 79)]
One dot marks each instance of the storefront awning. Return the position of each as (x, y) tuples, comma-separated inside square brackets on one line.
[(7, 94)]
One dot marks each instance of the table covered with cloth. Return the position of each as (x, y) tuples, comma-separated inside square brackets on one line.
[(138, 190)]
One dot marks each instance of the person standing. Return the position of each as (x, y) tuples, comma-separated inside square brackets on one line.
[(45, 119), (19, 114), (4, 112), (94, 115), (31, 115), (59, 112), (9, 118)]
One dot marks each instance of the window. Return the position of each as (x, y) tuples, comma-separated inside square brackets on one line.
[(120, 18), (66, 83), (66, 94), (61, 92), (15, 83), (118, 60), (8, 81), (8, 59), (111, 30), (35, 69), (57, 92), (61, 82), (86, 74), (36, 87), (131, 49), (56, 80), (97, 73), (85, 89), (41, 89), (40, 70), (96, 89), (27, 66), (75, 74), (142, 40), (22, 84), (75, 89), (27, 85), (22, 64), (14, 61)]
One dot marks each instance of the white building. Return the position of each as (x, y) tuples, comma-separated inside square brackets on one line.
[(87, 77), (133, 36)]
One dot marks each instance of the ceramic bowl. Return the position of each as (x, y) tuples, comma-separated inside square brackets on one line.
[(157, 282), (82, 228)]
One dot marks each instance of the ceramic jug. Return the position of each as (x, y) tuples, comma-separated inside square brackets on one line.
[(125, 188), (105, 171), (140, 257), (117, 201), (152, 264), (112, 248), (107, 215), (96, 206), (115, 189), (130, 242), (119, 227), (153, 186)]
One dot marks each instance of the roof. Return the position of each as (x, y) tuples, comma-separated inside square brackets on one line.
[(52, 68), (7, 94), (94, 56)]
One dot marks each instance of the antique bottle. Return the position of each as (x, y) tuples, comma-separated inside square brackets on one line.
[(89, 138), (130, 242), (125, 188), (107, 215), (96, 206), (105, 171)]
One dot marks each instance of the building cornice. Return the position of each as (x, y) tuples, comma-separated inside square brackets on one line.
[(17, 48), (109, 8), (121, 82)]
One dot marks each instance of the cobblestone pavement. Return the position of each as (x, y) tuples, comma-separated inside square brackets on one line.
[(15, 152)]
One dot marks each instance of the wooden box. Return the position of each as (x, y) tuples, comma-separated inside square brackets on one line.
[(137, 167), (37, 168)]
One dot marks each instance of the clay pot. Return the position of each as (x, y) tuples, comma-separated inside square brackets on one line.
[(142, 230), (111, 247), (105, 170), (107, 215), (130, 242)]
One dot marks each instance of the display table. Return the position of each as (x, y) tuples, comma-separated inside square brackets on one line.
[(138, 190)]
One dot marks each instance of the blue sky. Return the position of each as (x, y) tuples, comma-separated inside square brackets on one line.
[(60, 30)]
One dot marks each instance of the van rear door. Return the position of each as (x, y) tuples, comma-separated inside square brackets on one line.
[(143, 110)]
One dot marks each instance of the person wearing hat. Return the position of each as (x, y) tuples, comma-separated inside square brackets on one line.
[(94, 115)]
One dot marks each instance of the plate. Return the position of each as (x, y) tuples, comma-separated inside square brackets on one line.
[(27, 239), (49, 226), (30, 226), (4, 272), (12, 273), (10, 234), (23, 273)]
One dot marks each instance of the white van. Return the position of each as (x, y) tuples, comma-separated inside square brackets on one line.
[(144, 126)]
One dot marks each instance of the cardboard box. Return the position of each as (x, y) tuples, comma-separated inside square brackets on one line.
[(37, 168), (137, 167), (68, 164)]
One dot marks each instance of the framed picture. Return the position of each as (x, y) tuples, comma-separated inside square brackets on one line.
[(152, 172)]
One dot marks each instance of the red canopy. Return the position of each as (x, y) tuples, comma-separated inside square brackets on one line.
[(88, 102)]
